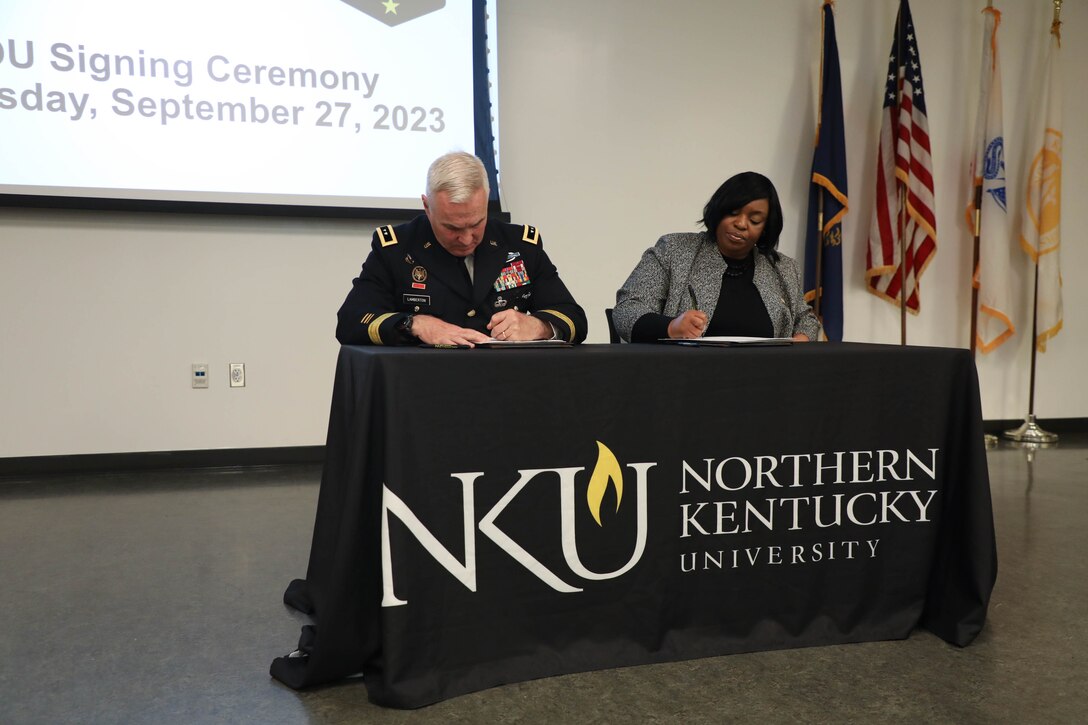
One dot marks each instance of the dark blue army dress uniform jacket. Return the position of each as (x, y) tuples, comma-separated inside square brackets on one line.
[(409, 272)]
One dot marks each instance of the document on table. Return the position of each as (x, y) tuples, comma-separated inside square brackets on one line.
[(729, 341), (493, 343)]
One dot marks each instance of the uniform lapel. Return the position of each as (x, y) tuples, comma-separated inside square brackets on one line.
[(445, 267)]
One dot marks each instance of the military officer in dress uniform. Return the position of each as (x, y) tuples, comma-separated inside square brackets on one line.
[(453, 277)]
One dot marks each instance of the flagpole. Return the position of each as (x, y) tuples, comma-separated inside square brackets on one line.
[(976, 253), (818, 286), (902, 268), (1034, 346), (974, 268), (1029, 431), (902, 187), (818, 293), (990, 439)]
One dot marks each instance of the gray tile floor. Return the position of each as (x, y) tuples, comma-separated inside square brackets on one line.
[(156, 598)]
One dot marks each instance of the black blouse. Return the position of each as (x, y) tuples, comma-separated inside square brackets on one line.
[(739, 311)]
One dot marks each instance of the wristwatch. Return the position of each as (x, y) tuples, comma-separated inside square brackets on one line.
[(405, 325)]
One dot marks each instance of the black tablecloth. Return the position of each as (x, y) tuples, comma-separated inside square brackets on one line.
[(492, 516)]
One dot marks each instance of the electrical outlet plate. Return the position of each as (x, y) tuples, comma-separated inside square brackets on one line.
[(200, 375), (237, 375)]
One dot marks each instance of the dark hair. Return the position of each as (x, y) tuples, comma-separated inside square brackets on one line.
[(733, 195)]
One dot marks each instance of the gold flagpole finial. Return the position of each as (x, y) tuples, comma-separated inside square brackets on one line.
[(1056, 26)]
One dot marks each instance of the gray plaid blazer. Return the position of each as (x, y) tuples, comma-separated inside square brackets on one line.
[(660, 284)]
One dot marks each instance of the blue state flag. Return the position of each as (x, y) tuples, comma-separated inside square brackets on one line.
[(827, 198)]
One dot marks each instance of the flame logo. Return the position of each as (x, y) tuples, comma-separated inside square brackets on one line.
[(607, 470)]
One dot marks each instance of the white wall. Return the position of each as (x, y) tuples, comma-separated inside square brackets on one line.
[(618, 121)]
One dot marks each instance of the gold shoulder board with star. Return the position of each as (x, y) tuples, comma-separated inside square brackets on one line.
[(530, 234), (387, 235)]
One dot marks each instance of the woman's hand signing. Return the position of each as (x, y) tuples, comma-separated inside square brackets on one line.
[(689, 324)]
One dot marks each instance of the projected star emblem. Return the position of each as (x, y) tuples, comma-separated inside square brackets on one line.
[(392, 12)]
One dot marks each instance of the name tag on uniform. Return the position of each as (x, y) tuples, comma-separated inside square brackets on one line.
[(417, 299), (511, 276)]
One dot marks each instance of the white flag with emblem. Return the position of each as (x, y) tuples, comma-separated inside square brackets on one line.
[(991, 276), (1041, 233)]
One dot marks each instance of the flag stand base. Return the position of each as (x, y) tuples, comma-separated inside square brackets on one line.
[(990, 440), (1030, 432)]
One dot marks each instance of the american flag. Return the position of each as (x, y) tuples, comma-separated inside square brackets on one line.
[(903, 163)]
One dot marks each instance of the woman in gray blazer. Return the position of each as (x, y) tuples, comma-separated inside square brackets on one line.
[(728, 280)]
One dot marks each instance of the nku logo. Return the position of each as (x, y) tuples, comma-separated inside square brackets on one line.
[(395, 12), (606, 473)]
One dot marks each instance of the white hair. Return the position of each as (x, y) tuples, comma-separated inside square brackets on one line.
[(459, 174)]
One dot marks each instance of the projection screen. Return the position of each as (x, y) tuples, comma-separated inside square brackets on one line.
[(332, 104)]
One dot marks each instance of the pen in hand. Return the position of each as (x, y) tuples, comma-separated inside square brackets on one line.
[(695, 306)]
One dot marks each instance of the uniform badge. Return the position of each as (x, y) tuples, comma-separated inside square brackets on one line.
[(511, 256), (500, 302), (530, 234), (419, 276), (513, 275), (387, 235), (426, 245), (408, 259), (493, 243)]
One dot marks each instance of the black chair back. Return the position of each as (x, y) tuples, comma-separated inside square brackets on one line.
[(613, 336)]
